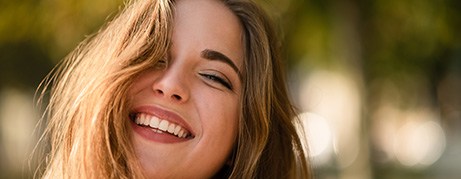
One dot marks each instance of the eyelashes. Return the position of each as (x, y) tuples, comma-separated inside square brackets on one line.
[(217, 79), (161, 64), (212, 76)]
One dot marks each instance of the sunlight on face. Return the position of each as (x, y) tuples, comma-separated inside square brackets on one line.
[(184, 112)]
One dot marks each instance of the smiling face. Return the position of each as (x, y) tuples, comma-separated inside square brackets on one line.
[(184, 111)]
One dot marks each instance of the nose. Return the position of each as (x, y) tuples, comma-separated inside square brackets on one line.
[(171, 85)]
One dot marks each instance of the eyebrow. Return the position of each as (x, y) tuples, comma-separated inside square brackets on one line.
[(215, 55)]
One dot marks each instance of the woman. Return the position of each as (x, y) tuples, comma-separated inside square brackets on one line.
[(183, 89)]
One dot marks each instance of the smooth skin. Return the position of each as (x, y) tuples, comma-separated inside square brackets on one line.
[(200, 81)]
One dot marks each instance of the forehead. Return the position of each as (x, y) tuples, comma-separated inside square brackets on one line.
[(208, 24)]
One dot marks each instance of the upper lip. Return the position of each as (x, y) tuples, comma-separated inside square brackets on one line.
[(164, 114)]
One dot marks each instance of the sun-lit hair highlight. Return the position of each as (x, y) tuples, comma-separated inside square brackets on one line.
[(87, 128)]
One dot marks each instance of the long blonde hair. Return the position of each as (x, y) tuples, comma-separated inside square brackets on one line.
[(87, 128)]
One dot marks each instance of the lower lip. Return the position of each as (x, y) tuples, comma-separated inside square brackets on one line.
[(149, 134)]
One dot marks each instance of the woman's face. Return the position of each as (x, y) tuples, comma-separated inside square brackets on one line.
[(184, 111)]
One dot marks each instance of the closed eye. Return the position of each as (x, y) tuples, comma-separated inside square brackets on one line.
[(217, 79), (161, 64)]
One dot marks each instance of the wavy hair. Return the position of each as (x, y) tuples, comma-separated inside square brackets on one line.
[(87, 128), (268, 143)]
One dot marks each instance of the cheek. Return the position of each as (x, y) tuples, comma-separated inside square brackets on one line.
[(219, 133), (219, 120), (143, 81)]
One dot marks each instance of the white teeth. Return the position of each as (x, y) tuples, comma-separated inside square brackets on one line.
[(154, 122), (171, 128), (137, 120), (176, 130), (163, 125), (181, 132), (160, 126), (157, 131), (144, 120)]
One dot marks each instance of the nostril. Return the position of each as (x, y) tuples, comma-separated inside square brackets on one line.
[(173, 96), (159, 91), (177, 97)]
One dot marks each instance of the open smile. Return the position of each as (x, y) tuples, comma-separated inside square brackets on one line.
[(160, 126)]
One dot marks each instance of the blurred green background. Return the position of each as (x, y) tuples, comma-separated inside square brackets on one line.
[(378, 82)]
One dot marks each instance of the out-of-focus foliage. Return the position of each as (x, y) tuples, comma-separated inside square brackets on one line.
[(36, 34), (404, 52)]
